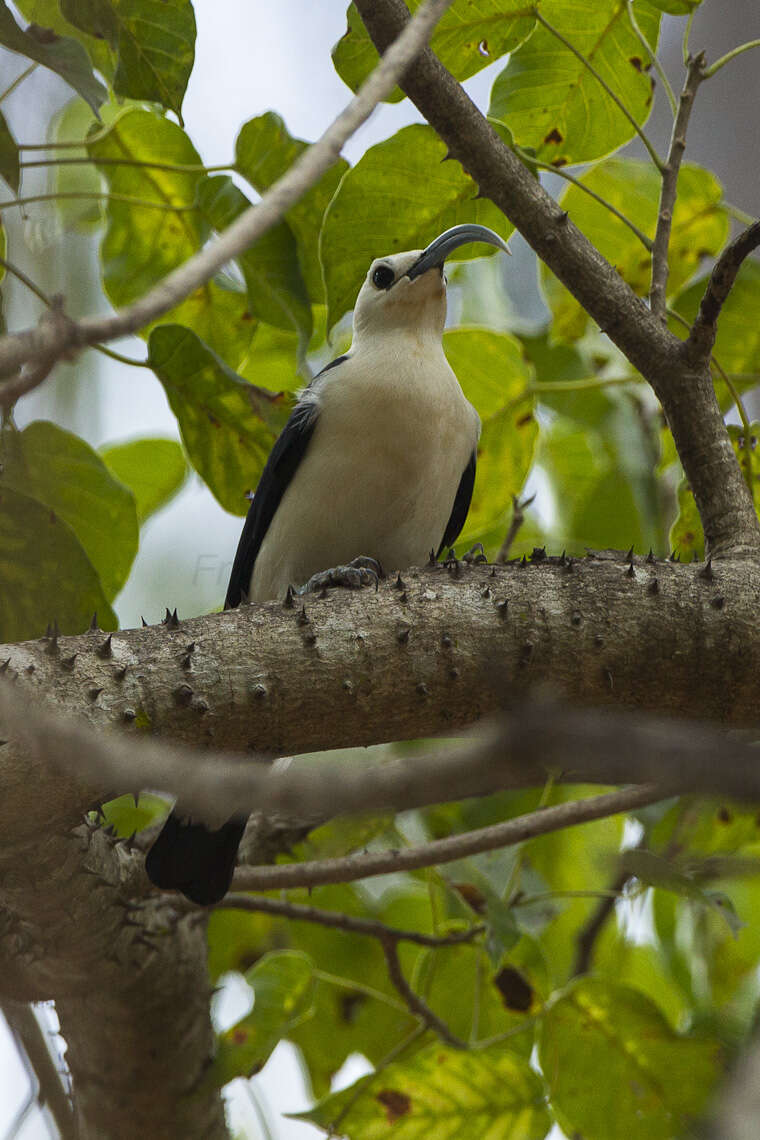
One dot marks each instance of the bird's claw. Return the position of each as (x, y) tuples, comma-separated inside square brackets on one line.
[(361, 571), (476, 553)]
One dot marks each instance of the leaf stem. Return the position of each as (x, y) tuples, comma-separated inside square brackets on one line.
[(17, 82), (603, 83), (175, 168), (359, 987), (738, 214), (528, 158), (93, 195), (724, 59), (685, 52), (653, 57)]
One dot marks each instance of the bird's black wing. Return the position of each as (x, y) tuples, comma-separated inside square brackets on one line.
[(284, 458), (461, 506)]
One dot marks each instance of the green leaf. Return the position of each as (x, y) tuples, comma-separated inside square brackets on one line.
[(47, 14), (263, 152), (655, 1081), (64, 56), (700, 228), (71, 124), (441, 1092), (467, 38), (276, 290), (283, 986), (9, 160), (143, 242), (153, 469), (62, 473), (272, 360), (154, 41), (493, 374), (228, 426), (127, 816), (45, 575), (553, 104), (399, 196), (737, 345)]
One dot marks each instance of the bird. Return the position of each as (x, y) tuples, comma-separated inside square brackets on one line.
[(373, 471)]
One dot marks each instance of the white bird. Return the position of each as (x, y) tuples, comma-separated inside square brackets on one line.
[(373, 471)]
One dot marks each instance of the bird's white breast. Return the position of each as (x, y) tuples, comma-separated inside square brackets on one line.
[(393, 437)]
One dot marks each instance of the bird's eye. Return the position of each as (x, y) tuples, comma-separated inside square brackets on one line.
[(382, 277)]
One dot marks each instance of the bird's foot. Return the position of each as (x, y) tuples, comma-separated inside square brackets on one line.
[(476, 553), (361, 571)]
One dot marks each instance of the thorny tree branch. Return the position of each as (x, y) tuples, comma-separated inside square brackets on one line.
[(702, 336), (660, 266), (52, 340)]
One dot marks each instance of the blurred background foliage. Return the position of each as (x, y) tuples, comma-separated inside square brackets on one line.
[(106, 190)]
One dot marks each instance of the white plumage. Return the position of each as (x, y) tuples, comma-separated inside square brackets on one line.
[(392, 437)]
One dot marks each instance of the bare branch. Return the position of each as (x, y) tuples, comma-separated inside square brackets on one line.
[(367, 865), (417, 1006), (668, 190), (699, 344), (16, 349), (50, 1090), (348, 923), (518, 518)]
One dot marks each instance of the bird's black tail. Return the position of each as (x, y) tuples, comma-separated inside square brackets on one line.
[(194, 859)]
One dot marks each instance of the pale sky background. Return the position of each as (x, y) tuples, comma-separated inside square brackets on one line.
[(253, 57)]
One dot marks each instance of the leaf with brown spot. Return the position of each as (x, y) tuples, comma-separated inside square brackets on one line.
[(516, 992), (396, 1104)]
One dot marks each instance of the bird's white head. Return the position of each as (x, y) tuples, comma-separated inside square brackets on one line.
[(407, 291)]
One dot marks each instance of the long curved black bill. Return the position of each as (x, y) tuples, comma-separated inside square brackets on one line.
[(438, 250)]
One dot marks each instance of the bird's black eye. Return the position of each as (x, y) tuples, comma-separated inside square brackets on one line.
[(383, 277)]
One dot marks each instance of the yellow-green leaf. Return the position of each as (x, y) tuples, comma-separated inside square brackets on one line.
[(161, 229), (553, 103), (45, 575), (47, 14), (153, 469), (263, 152), (228, 426), (441, 1092), (655, 1082), (283, 985), (700, 228), (63, 474), (399, 196), (469, 36), (493, 374)]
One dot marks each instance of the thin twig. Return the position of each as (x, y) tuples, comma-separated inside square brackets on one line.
[(172, 167), (417, 1006), (518, 518), (603, 83), (668, 190), (98, 196), (371, 927), (367, 865), (593, 927), (17, 348), (701, 339)]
